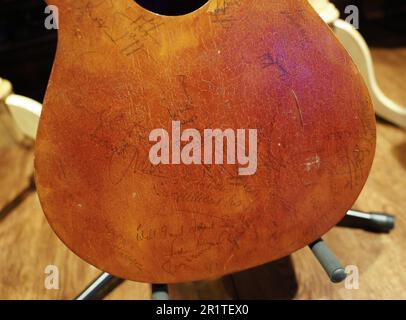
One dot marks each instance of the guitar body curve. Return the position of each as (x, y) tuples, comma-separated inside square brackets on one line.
[(121, 73)]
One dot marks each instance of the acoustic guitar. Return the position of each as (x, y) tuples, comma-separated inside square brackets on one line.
[(183, 145)]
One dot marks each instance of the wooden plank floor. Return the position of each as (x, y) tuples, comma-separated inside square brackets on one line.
[(28, 245)]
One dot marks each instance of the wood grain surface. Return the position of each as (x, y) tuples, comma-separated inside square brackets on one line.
[(28, 245)]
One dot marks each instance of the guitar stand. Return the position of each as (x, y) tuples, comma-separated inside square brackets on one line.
[(369, 221), (106, 283)]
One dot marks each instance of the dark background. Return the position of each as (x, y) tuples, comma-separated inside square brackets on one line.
[(27, 48)]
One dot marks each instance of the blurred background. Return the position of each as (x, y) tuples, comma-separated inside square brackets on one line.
[(28, 245)]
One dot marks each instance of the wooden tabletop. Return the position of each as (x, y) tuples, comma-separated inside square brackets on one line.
[(28, 245)]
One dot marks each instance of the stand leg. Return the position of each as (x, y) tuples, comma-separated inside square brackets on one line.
[(370, 221), (328, 261), (160, 292), (100, 287)]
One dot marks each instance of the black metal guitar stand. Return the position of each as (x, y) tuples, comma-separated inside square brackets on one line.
[(370, 221), (106, 283)]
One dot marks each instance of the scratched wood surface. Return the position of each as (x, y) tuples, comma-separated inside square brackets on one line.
[(28, 245), (108, 191)]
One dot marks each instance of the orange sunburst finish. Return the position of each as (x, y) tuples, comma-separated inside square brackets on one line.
[(121, 71)]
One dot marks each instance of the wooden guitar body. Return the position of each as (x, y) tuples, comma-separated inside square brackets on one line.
[(124, 76)]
